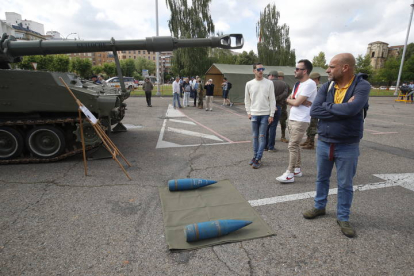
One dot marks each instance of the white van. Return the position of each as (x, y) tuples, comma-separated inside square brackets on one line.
[(129, 83)]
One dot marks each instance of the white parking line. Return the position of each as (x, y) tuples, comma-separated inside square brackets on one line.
[(405, 180), (182, 122), (193, 133)]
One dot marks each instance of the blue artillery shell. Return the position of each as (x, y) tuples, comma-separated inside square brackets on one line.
[(212, 229), (188, 184)]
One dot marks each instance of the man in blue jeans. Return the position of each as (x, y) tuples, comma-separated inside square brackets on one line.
[(281, 93), (260, 105), (340, 106)]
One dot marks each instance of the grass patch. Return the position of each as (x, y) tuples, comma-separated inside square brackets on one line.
[(381, 93)]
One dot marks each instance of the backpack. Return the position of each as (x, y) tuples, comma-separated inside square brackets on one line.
[(229, 85)]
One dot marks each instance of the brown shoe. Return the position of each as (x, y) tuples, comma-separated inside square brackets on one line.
[(346, 228), (305, 143), (310, 146), (283, 139), (313, 213)]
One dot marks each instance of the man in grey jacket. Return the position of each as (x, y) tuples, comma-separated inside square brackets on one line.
[(147, 87), (281, 93)]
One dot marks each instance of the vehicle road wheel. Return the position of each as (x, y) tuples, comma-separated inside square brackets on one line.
[(130, 88), (11, 143), (45, 141)]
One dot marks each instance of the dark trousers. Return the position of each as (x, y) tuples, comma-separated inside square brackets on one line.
[(195, 97), (148, 97), (271, 129)]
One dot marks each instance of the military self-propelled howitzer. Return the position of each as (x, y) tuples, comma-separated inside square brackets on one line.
[(38, 116)]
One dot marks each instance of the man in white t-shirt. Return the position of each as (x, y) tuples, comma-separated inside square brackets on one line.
[(260, 105), (303, 94)]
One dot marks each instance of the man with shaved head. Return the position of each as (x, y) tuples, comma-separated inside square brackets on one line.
[(340, 106)]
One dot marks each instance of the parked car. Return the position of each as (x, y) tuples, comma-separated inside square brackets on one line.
[(383, 88), (392, 88), (141, 82), (129, 83)]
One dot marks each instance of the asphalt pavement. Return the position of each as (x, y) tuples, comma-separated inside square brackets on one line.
[(56, 221)]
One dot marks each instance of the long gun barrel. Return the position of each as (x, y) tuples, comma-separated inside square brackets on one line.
[(11, 50)]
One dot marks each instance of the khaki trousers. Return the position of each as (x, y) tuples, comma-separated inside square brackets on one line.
[(296, 130), (209, 102)]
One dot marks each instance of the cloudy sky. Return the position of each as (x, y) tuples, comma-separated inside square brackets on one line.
[(315, 25)]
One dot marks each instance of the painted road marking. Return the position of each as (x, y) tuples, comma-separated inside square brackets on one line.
[(182, 122), (195, 134), (374, 132), (405, 180), (176, 113), (173, 113)]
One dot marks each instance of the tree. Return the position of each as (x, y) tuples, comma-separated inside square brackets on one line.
[(109, 69), (82, 66), (190, 22), (26, 62), (247, 58), (45, 62), (128, 67), (222, 56), (274, 43), (61, 63), (389, 72), (363, 65), (145, 64), (320, 60), (97, 69)]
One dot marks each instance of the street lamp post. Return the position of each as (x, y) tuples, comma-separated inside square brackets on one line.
[(69, 35), (158, 53), (405, 47)]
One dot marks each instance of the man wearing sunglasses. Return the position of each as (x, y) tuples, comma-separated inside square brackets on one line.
[(300, 100), (260, 106)]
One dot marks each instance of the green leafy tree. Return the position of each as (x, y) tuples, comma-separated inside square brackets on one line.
[(408, 70), (97, 69), (192, 21), (109, 69), (408, 52), (320, 60), (81, 66), (45, 62), (61, 63), (246, 58), (363, 65), (222, 56), (145, 64), (26, 62), (128, 67), (274, 43), (389, 73)]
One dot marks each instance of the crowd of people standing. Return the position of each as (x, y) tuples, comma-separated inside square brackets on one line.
[(336, 109)]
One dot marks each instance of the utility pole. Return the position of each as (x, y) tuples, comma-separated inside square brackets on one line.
[(405, 48), (158, 53)]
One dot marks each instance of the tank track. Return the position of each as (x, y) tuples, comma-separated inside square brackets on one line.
[(25, 160)]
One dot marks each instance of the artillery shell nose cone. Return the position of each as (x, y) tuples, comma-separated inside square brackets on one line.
[(188, 184), (213, 229)]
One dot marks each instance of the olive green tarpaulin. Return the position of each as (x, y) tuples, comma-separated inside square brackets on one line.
[(219, 201)]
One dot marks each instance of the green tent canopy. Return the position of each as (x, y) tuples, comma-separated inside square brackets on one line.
[(238, 75)]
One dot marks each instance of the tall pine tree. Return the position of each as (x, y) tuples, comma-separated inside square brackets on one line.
[(274, 43)]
